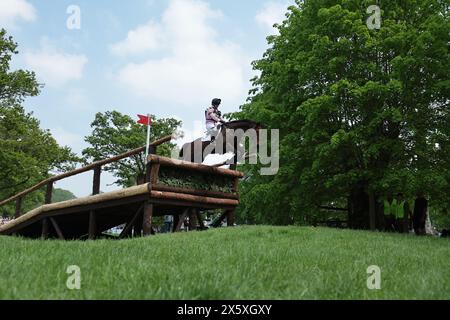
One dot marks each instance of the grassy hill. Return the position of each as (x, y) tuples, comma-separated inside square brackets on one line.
[(239, 263), (60, 195)]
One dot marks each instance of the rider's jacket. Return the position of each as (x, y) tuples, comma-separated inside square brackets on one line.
[(212, 116)]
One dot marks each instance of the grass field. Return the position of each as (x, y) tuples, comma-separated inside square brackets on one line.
[(239, 263)]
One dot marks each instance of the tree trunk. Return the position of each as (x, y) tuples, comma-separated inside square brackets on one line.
[(372, 211), (358, 207)]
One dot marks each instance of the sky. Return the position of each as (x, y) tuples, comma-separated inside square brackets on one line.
[(164, 57)]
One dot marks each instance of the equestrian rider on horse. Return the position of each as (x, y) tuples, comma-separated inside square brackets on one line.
[(213, 118)]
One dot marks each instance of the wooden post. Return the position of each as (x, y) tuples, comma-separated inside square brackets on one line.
[(18, 208), (57, 229), (147, 220), (218, 222), (44, 234), (92, 225), (150, 169), (128, 228), (96, 180), (231, 218), (49, 193)]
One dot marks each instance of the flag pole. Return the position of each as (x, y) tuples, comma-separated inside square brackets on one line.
[(148, 138)]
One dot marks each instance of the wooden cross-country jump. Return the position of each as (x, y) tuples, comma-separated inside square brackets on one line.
[(135, 207)]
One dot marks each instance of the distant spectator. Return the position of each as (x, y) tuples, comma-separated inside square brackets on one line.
[(168, 221), (402, 214), (389, 219), (420, 214)]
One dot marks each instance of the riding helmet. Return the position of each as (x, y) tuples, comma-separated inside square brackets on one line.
[(216, 102)]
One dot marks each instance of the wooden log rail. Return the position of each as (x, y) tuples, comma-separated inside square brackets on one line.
[(153, 159), (96, 166), (156, 164)]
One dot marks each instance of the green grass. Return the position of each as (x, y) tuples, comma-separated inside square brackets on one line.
[(239, 263)]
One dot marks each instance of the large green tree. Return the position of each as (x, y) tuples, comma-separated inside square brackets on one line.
[(27, 153), (361, 112), (114, 133), (16, 85)]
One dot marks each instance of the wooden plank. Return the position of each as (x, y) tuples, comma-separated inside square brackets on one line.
[(92, 225), (38, 214), (21, 222), (96, 180), (44, 234), (130, 224), (49, 193), (204, 193), (174, 204), (194, 166), (147, 219), (95, 206), (84, 169), (18, 212), (192, 198), (57, 229)]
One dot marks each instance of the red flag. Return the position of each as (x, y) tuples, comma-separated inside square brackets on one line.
[(144, 120)]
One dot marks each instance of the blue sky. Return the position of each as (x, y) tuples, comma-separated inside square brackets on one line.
[(164, 57)]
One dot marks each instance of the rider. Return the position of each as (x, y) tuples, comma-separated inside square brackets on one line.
[(213, 118)]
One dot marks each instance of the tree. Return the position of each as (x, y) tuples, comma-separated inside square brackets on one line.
[(362, 112), (114, 133), (15, 86), (60, 195), (27, 155), (27, 152)]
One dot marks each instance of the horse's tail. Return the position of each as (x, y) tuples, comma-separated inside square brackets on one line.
[(181, 153)]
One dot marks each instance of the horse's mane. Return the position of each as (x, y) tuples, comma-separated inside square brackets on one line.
[(251, 123)]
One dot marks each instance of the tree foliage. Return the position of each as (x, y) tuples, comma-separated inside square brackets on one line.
[(15, 86), (114, 133), (360, 111), (27, 152), (60, 195)]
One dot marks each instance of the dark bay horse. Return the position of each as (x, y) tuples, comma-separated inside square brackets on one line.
[(197, 150)]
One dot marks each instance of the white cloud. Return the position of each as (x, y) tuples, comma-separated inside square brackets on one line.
[(270, 14), (145, 38), (55, 68), (78, 99), (13, 10), (197, 65), (66, 138)]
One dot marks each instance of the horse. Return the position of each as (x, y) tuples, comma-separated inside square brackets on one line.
[(223, 142)]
